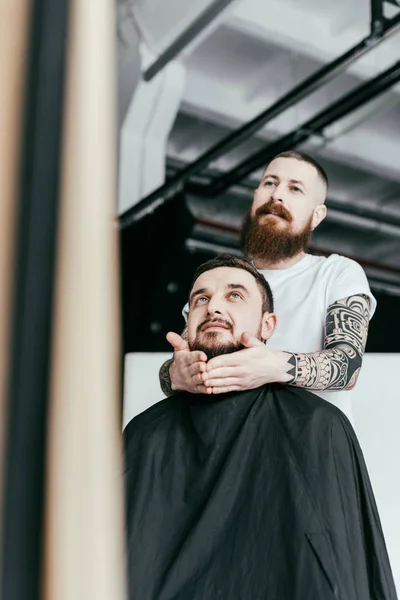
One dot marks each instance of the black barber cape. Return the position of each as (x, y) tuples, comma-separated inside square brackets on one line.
[(257, 495)]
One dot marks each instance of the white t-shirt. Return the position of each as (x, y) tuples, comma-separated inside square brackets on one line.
[(302, 295)]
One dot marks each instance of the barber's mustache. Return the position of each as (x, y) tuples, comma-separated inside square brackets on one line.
[(222, 321), (273, 208)]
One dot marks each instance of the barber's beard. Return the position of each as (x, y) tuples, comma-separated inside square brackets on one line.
[(265, 238)]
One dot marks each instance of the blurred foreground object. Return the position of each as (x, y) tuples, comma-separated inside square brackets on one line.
[(84, 525)]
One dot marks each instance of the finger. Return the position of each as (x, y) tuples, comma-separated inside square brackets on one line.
[(222, 382), (201, 389), (190, 360), (196, 361), (220, 372), (197, 368), (193, 368), (225, 390), (250, 341), (177, 341), (225, 360), (198, 379)]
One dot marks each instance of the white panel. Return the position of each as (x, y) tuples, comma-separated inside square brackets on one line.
[(145, 133), (141, 384), (376, 409)]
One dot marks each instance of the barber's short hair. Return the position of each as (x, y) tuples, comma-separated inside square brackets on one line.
[(226, 260), (304, 158)]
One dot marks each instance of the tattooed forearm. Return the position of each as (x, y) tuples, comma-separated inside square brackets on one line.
[(165, 379), (324, 370), (164, 375), (338, 365)]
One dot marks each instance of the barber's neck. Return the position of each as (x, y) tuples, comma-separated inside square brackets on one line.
[(285, 263)]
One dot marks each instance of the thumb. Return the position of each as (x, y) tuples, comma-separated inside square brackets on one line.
[(250, 341), (177, 341)]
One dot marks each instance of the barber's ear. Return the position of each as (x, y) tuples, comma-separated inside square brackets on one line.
[(268, 325), (318, 215)]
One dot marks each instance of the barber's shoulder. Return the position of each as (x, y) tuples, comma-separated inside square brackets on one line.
[(345, 277), (336, 263)]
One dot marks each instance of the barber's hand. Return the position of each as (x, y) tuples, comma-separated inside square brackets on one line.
[(245, 369), (186, 370)]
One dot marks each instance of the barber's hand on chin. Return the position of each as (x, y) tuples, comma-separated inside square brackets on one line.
[(245, 369), (186, 370)]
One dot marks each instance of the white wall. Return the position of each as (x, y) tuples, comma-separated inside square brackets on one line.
[(141, 384), (376, 408)]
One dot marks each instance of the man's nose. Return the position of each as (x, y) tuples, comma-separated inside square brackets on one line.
[(277, 194), (214, 307)]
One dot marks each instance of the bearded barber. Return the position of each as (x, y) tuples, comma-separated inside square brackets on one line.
[(323, 305)]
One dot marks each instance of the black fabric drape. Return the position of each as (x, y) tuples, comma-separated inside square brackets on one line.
[(256, 495)]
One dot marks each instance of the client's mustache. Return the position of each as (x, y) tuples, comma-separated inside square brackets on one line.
[(222, 321), (274, 208)]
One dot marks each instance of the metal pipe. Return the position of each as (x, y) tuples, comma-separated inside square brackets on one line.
[(340, 108), (245, 188), (365, 212), (321, 77), (311, 248), (376, 282), (377, 17), (362, 223), (187, 36)]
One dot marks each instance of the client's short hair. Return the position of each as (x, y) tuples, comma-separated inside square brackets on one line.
[(226, 260)]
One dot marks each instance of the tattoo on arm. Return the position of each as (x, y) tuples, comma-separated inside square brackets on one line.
[(165, 378), (338, 365)]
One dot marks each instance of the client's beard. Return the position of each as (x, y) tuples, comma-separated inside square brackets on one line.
[(210, 346), (217, 348), (269, 241)]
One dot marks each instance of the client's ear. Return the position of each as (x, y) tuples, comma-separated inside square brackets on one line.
[(268, 325)]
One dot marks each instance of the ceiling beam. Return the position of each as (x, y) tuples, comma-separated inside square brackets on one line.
[(315, 126), (186, 37), (302, 90)]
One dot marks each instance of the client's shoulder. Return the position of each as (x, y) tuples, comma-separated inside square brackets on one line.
[(298, 404), (156, 416)]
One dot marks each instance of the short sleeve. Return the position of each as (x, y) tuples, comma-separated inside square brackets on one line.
[(348, 279)]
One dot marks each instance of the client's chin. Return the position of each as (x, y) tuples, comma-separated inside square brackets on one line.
[(214, 348)]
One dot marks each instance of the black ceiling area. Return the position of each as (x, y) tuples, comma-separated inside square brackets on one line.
[(250, 94)]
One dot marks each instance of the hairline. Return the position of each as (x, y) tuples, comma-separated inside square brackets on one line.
[(267, 298), (293, 155), (228, 286)]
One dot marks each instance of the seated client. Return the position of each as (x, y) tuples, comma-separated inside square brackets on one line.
[(254, 495)]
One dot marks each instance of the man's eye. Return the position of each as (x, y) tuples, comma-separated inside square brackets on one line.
[(235, 295), (296, 189), (269, 183), (201, 300)]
